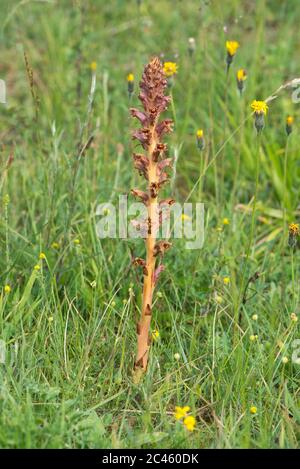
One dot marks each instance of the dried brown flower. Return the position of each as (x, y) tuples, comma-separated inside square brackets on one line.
[(152, 165)]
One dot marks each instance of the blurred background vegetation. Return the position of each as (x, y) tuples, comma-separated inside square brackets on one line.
[(69, 325)]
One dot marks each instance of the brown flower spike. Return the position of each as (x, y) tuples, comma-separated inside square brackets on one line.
[(152, 166)]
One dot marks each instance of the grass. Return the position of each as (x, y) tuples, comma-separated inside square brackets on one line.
[(69, 328)]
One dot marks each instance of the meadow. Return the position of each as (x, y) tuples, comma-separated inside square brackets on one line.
[(224, 316)]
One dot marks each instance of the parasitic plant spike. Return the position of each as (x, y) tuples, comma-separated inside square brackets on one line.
[(152, 166)]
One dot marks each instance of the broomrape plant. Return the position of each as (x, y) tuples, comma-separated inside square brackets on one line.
[(151, 165)]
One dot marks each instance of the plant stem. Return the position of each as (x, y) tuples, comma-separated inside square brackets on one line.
[(293, 279), (251, 238), (238, 163), (143, 336), (284, 199)]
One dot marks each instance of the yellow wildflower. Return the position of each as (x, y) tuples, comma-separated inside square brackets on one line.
[(155, 334), (285, 360), (55, 245), (170, 68), (42, 256), (253, 337), (7, 288), (190, 423), (185, 217), (253, 410), (37, 267), (241, 74), (232, 47), (226, 280), (289, 125), (76, 241), (50, 319), (200, 139), (181, 412), (93, 66), (226, 221), (294, 229), (293, 234), (255, 317), (130, 84), (259, 107)]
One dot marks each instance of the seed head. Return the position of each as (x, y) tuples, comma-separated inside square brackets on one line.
[(191, 46)]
